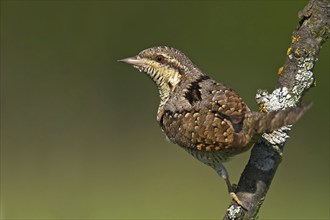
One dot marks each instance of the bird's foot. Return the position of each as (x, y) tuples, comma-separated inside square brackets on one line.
[(235, 197), (233, 187)]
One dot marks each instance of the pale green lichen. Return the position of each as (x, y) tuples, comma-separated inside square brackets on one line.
[(233, 212), (304, 77), (282, 98)]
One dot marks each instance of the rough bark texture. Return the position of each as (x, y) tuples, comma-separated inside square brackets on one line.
[(296, 77)]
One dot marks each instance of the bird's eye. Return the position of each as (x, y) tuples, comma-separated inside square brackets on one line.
[(160, 58)]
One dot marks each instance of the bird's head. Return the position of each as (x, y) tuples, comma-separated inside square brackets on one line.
[(164, 65)]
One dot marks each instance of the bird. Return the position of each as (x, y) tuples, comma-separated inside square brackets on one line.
[(208, 119)]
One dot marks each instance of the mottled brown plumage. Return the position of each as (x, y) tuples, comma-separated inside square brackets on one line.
[(207, 118)]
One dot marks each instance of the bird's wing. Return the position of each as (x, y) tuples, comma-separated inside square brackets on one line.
[(225, 103)]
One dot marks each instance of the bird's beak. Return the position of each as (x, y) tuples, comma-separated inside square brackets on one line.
[(137, 61)]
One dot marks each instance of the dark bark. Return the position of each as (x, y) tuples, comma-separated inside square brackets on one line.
[(296, 77)]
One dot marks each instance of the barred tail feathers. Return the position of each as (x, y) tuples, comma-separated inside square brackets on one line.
[(270, 121)]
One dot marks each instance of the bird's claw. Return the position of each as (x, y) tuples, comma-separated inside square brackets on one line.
[(236, 199)]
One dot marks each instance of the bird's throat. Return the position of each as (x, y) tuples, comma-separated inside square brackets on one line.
[(166, 79)]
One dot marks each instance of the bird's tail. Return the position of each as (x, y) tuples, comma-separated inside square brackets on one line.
[(266, 122)]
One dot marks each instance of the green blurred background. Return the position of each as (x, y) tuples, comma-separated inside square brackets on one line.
[(79, 137)]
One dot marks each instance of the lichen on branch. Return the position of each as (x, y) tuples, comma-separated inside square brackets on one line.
[(296, 78)]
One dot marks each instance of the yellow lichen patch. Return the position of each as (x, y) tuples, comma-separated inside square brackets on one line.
[(296, 51), (288, 51), (262, 107), (294, 39), (208, 148), (280, 70), (199, 146)]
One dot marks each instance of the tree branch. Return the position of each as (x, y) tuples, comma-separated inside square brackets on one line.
[(296, 77)]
